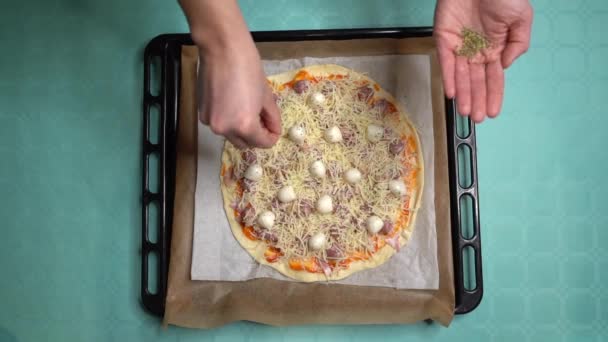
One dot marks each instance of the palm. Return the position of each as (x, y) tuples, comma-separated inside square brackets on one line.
[(478, 83)]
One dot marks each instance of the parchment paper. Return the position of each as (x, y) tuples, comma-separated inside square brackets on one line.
[(207, 304), (217, 255)]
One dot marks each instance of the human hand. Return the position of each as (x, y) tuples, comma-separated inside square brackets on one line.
[(235, 100), (478, 83)]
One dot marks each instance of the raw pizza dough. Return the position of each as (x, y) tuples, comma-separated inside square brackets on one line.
[(259, 249)]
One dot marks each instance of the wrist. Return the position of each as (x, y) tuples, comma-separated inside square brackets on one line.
[(215, 25), (208, 41), (226, 47)]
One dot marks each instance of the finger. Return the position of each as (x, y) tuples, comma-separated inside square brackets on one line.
[(478, 91), (447, 60), (237, 142), (257, 135), (463, 86), (203, 106), (518, 40), (271, 115), (495, 76), (204, 115), (260, 137), (267, 130)]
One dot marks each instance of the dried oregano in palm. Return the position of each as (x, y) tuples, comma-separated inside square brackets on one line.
[(472, 43)]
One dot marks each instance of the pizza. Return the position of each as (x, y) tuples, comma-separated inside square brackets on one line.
[(338, 193)]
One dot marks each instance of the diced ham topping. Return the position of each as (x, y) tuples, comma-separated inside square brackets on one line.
[(333, 252), (248, 215), (325, 267), (250, 157), (341, 211), (388, 133), (382, 106), (348, 136), (394, 242), (268, 236), (305, 207), (393, 174), (248, 185), (300, 86), (334, 169), (234, 204), (275, 204), (388, 227), (396, 146), (364, 93), (304, 147), (366, 208), (239, 171)]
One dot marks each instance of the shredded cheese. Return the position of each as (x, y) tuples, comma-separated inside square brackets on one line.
[(288, 164)]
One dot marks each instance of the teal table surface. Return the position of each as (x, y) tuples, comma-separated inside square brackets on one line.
[(70, 132)]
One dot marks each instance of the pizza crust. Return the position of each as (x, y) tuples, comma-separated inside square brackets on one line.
[(257, 248)]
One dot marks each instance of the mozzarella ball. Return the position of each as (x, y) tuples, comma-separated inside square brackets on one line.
[(254, 172), (325, 204), (286, 194), (317, 241), (374, 133), (297, 134), (374, 224), (397, 187), (352, 176), (333, 134), (266, 219), (317, 169), (316, 99)]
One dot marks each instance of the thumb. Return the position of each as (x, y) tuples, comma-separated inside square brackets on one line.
[(271, 115), (268, 131), (519, 39), (261, 137)]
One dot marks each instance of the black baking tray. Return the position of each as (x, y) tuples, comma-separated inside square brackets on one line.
[(162, 58)]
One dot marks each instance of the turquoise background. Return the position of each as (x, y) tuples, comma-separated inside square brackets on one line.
[(70, 131)]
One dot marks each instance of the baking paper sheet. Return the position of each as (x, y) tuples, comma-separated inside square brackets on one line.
[(208, 304), (218, 256)]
